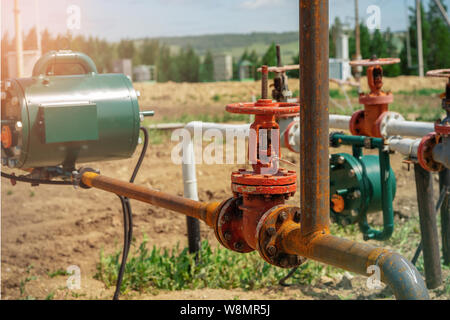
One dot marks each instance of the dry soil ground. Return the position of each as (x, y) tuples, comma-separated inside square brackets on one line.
[(49, 228)]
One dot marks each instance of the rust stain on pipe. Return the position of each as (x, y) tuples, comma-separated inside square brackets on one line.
[(314, 116), (191, 208)]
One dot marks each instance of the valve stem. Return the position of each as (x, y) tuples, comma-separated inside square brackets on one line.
[(264, 82)]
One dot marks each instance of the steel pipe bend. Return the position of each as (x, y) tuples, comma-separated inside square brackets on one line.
[(402, 277)]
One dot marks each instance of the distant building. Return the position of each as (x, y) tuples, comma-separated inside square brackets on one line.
[(223, 67), (246, 71), (124, 66), (340, 66), (30, 57), (144, 73)]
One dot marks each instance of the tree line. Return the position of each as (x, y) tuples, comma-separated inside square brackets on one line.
[(186, 65)]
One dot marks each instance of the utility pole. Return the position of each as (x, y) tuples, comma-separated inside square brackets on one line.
[(419, 38), (38, 27), (408, 37), (358, 70), (443, 12), (19, 43)]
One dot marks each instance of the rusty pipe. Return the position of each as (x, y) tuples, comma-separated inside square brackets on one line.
[(312, 239), (188, 207), (395, 271), (314, 116)]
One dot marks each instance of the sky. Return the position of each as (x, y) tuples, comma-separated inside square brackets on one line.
[(117, 19)]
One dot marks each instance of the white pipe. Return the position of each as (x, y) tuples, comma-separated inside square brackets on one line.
[(224, 128), (393, 127), (189, 172), (407, 147), (339, 122), (189, 167), (409, 128)]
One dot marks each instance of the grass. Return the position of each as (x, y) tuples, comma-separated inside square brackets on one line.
[(423, 92), (57, 273), (24, 282), (176, 269)]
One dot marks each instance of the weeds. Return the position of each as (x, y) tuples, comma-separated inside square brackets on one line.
[(23, 283), (57, 273), (220, 268)]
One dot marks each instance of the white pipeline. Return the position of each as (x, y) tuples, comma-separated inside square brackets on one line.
[(189, 167), (407, 147), (392, 127), (409, 128)]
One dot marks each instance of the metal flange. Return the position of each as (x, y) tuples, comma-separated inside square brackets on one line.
[(264, 107), (440, 73), (383, 121), (228, 224), (374, 62), (269, 233), (425, 153)]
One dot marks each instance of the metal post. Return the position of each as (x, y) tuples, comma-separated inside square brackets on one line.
[(314, 115), (428, 227), (190, 192), (19, 43), (443, 12), (38, 28), (444, 182), (357, 41), (408, 37), (419, 38)]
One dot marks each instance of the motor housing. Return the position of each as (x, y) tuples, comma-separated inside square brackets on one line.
[(355, 187), (68, 113)]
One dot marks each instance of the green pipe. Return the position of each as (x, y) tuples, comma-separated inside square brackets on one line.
[(386, 199), (387, 182)]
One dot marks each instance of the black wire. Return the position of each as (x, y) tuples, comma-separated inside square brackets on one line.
[(128, 218), (282, 281), (35, 181)]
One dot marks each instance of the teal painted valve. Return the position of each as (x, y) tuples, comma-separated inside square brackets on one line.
[(360, 185), (67, 113)]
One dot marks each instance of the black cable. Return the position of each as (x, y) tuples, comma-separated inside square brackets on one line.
[(128, 218), (35, 181), (282, 281)]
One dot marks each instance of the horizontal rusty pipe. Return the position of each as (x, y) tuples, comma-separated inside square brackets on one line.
[(395, 271), (190, 208), (312, 239)]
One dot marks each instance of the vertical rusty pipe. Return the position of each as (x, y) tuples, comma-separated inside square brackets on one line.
[(428, 227), (314, 116), (444, 182), (265, 82)]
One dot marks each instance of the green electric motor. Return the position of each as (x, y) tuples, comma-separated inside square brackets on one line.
[(68, 113), (355, 184)]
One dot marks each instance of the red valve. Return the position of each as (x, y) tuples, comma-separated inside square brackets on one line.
[(443, 128), (376, 103), (440, 73), (266, 186)]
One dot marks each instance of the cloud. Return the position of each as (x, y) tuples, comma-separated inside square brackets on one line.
[(255, 4)]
